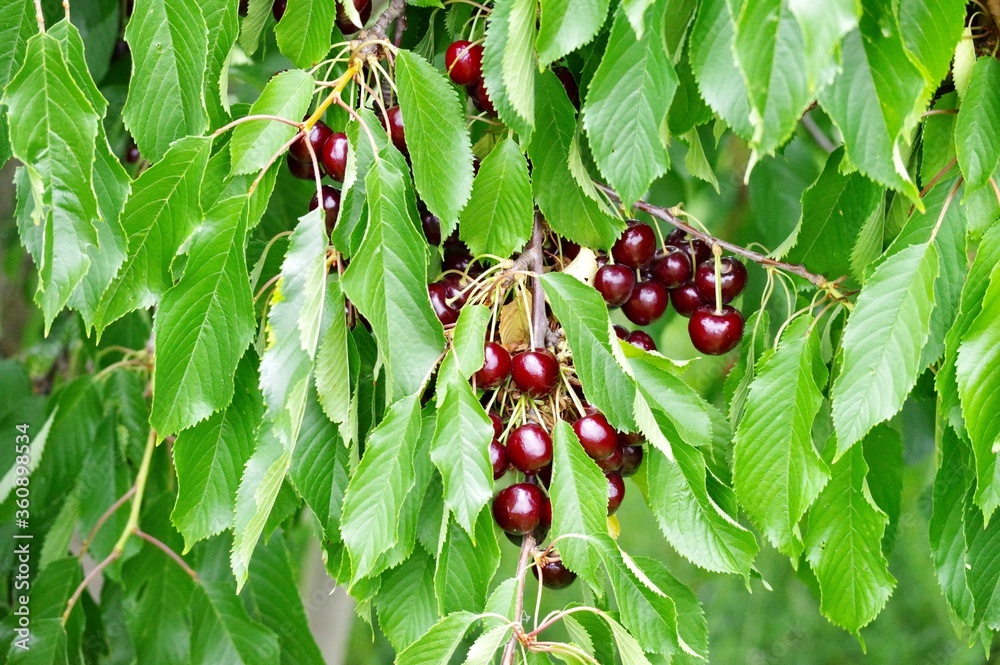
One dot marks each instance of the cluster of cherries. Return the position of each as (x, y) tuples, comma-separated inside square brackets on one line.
[(642, 281), (330, 148), (464, 61), (344, 23)]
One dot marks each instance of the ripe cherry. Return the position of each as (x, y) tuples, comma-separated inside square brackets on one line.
[(621, 331), (529, 448), (615, 283), (302, 170), (672, 268), (456, 293), (596, 435), (464, 61), (481, 97), (133, 155), (733, 277), (642, 340), (431, 225), (636, 246), (554, 574), (535, 372), (317, 136), (715, 334), (456, 257), (616, 491), (676, 238), (565, 77), (446, 314), (496, 366), (278, 9), (498, 458), (395, 128), (698, 251), (334, 155), (497, 424), (518, 509), (612, 462), (631, 459), (686, 299), (344, 22), (647, 303), (331, 206)]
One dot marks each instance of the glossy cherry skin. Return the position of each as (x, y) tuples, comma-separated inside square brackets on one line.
[(481, 97), (455, 290), (647, 303), (278, 9), (544, 524), (518, 509), (636, 246), (616, 491), (302, 170), (464, 62), (598, 438), (316, 137), (686, 299), (446, 314), (714, 334), (430, 224), (498, 458), (631, 459), (529, 448), (621, 331), (344, 22), (396, 132), (496, 366), (672, 268), (498, 425), (642, 340), (133, 156), (615, 282), (554, 575), (331, 206), (733, 277), (334, 155), (535, 372), (456, 257), (676, 238), (612, 462)]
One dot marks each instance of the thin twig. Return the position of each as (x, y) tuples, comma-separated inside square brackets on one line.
[(104, 518), (87, 580), (250, 118), (527, 544), (539, 320), (40, 15), (818, 135), (169, 552)]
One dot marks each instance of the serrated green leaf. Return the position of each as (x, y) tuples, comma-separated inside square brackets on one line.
[(469, 339), (320, 468), (466, 566), (494, 49), (719, 79), (644, 609), (353, 218), (519, 58), (304, 31), (439, 643), (483, 649), (168, 40), (333, 379), (258, 12), (224, 633), (286, 95), (405, 603), (222, 19), (17, 25), (822, 26), (692, 629), (931, 29), (977, 129), (498, 217), (883, 450), (628, 648), (566, 25), (946, 528)]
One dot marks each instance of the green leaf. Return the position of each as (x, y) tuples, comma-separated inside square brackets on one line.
[(224, 633), (882, 343), (161, 214), (931, 29), (222, 19), (320, 468), (875, 67), (777, 472), (287, 95), (844, 546), (485, 647), (632, 88), (379, 485), (499, 215), (333, 380), (258, 12), (947, 522), (822, 26), (977, 129), (405, 603), (648, 613), (470, 338), (719, 79), (461, 446), (692, 630), (628, 648), (519, 58), (210, 457), (567, 208), (436, 138), (584, 316), (17, 26), (466, 566), (938, 137), (387, 280), (494, 52), (437, 645), (304, 31), (352, 221), (168, 40), (53, 132), (579, 495), (566, 25)]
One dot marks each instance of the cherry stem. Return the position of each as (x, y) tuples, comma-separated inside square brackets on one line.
[(40, 15), (717, 252), (527, 544), (104, 518), (169, 552), (539, 320)]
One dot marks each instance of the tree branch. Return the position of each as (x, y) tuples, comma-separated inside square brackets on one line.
[(538, 319), (169, 552), (527, 544)]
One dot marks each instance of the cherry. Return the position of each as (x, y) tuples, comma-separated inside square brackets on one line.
[(544, 524), (529, 448), (631, 459), (621, 331), (615, 283), (672, 268), (616, 491), (554, 574), (596, 435), (446, 314), (464, 61), (497, 424), (395, 128), (317, 136), (686, 299), (636, 246), (698, 251), (630, 438), (430, 224), (535, 372), (334, 155), (278, 9), (496, 366), (647, 303), (544, 476), (132, 156), (733, 276), (612, 462), (481, 97), (570, 249), (331, 206), (715, 334), (456, 257), (498, 458), (344, 22), (518, 509), (302, 170), (455, 291), (641, 340), (565, 77)]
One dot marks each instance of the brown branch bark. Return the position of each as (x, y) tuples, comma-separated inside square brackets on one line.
[(527, 544), (540, 322)]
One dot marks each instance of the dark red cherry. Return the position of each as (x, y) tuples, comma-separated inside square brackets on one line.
[(331, 206), (317, 136), (616, 491), (529, 448), (395, 128), (133, 155), (455, 286), (496, 366), (302, 170), (456, 257), (732, 273), (698, 250), (464, 61), (647, 303), (642, 340), (481, 97), (498, 425), (598, 438), (278, 9), (672, 268), (535, 372), (686, 299), (439, 300), (630, 438), (334, 155), (621, 331), (565, 77), (554, 574), (544, 523), (498, 458), (344, 22), (714, 334), (430, 224), (676, 238), (544, 476), (631, 459), (518, 509), (636, 246), (615, 283), (570, 249), (612, 462)]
